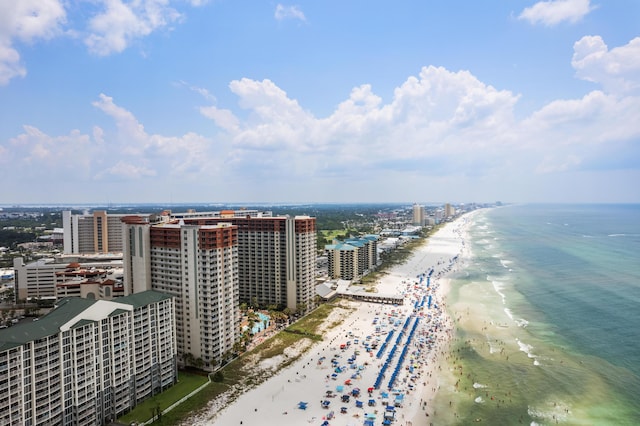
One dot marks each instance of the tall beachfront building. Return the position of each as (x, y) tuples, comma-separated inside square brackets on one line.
[(277, 259), (418, 215), (198, 265), (87, 362)]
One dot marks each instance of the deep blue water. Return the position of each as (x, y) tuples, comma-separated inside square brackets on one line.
[(563, 284)]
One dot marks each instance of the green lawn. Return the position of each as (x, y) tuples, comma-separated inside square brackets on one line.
[(187, 382), (234, 374)]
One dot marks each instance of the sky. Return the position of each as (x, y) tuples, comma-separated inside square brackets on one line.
[(234, 101)]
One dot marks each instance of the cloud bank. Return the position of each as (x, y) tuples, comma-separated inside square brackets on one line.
[(439, 124)]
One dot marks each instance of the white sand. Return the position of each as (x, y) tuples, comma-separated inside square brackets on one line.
[(275, 402)]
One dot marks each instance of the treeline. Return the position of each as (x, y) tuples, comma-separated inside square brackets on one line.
[(10, 238)]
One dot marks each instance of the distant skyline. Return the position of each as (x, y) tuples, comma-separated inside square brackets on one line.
[(217, 101)]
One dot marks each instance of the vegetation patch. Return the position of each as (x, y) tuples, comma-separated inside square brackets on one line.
[(248, 370), (187, 383)]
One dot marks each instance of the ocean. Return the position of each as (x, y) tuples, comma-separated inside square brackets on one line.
[(547, 314)]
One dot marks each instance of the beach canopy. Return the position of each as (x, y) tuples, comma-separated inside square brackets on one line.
[(302, 405)]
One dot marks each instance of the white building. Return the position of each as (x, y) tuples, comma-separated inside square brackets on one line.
[(87, 362), (38, 279), (198, 265)]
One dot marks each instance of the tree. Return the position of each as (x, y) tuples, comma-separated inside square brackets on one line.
[(188, 358), (198, 362)]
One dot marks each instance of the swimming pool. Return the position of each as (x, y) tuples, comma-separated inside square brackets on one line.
[(258, 327)]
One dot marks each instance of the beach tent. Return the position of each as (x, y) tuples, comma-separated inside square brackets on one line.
[(339, 388), (358, 404), (372, 403), (368, 423), (326, 403)]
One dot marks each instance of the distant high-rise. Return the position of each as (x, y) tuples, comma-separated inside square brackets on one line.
[(449, 210), (98, 232), (418, 215)]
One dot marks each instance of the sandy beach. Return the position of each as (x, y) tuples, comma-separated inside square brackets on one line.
[(375, 345)]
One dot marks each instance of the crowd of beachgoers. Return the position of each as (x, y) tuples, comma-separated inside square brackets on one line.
[(380, 366)]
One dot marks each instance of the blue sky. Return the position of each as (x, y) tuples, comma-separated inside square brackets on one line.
[(109, 101)]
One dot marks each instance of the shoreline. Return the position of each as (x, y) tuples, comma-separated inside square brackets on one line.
[(345, 362)]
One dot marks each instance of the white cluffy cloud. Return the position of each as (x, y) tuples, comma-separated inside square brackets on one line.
[(618, 69), (25, 21), (128, 153), (440, 128), (111, 26), (289, 12), (554, 12), (440, 122), (142, 154), (122, 22)]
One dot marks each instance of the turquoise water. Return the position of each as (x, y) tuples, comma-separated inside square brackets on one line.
[(547, 310), (259, 326)]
